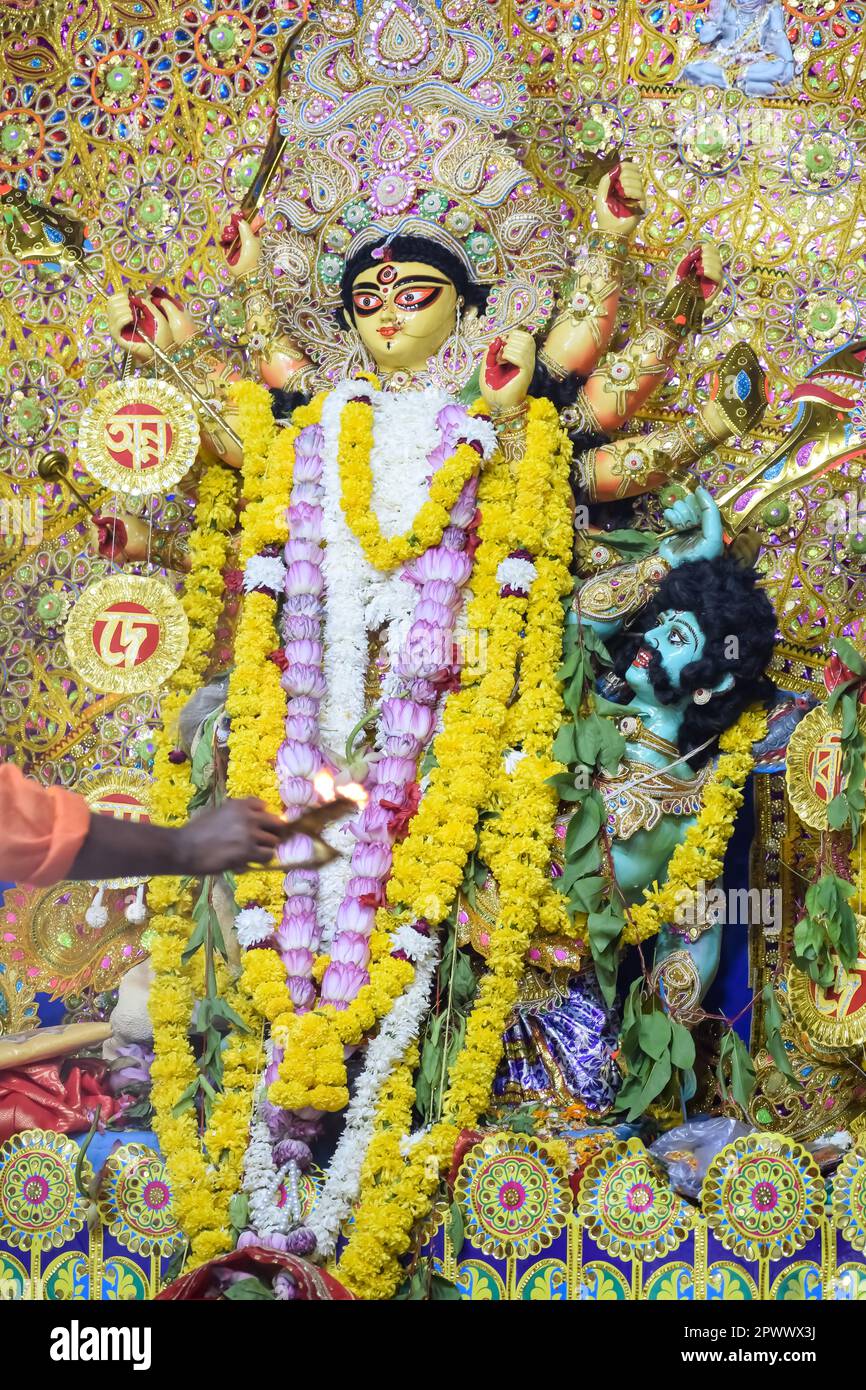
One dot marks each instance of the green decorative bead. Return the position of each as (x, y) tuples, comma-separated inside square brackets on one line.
[(120, 80), (152, 210), (50, 607), (670, 494), (591, 133), (819, 159), (11, 138), (857, 545), (776, 513), (222, 38), (28, 416), (823, 317)]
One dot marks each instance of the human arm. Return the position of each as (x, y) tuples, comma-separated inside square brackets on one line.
[(51, 836)]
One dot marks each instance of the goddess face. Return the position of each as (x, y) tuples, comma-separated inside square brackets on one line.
[(675, 642), (404, 311)]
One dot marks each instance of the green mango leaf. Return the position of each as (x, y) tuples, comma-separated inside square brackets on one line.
[(442, 1288), (655, 1034), (653, 1087), (742, 1072), (565, 744), (682, 1047), (838, 811), (635, 544), (584, 825)]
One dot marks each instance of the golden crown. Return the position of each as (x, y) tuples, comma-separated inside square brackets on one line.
[(395, 120)]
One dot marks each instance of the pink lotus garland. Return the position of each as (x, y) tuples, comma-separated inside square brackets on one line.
[(405, 726)]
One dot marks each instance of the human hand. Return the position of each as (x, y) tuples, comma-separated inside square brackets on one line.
[(238, 833), (181, 322), (508, 368), (622, 188), (699, 522)]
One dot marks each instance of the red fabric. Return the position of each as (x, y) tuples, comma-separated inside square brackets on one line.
[(37, 1097), (465, 1140), (314, 1285), (693, 264), (43, 829)]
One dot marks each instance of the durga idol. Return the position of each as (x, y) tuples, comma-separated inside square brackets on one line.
[(406, 548)]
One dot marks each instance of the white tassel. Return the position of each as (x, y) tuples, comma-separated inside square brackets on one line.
[(96, 915), (136, 913)]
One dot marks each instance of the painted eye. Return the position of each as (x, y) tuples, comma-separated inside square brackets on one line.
[(420, 298), (676, 637), (366, 302)]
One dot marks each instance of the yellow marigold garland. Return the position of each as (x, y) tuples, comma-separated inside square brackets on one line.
[(396, 1188), (428, 865), (354, 450), (201, 1189), (701, 856)]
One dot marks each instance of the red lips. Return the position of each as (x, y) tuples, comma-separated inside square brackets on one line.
[(643, 658)]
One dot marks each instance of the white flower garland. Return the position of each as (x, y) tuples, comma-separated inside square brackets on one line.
[(262, 1183), (398, 1029), (360, 598)]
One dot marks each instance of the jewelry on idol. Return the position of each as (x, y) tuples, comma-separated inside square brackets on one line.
[(702, 696), (452, 366)]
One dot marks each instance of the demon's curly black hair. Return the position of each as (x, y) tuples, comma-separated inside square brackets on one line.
[(411, 248), (724, 597)]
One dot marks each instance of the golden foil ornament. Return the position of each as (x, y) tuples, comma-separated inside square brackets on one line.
[(833, 1018), (813, 767), (126, 634), (138, 436)]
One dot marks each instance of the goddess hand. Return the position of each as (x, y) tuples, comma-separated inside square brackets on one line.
[(700, 521), (622, 187), (508, 369), (119, 537), (242, 245), (704, 264), (137, 321)]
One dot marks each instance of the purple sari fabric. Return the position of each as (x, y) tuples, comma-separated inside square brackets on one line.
[(560, 1050)]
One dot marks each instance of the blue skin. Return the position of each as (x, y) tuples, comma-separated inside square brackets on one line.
[(678, 638), (725, 27)]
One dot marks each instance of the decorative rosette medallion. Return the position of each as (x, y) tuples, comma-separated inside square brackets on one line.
[(138, 436), (515, 1199), (629, 1207), (849, 1197), (763, 1196), (833, 1017), (40, 1205), (135, 1201), (126, 634), (813, 766)]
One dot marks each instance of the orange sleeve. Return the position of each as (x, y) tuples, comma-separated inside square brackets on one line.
[(41, 829)]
